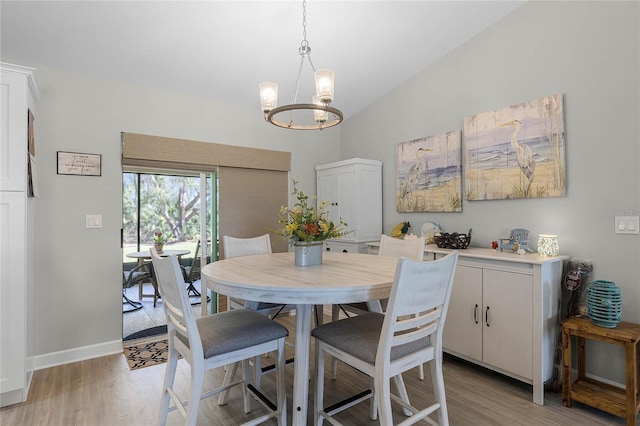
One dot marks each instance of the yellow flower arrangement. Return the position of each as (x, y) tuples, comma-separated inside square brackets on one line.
[(306, 223)]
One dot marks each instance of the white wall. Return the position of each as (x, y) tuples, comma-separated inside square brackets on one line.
[(587, 50), (590, 51), (78, 271)]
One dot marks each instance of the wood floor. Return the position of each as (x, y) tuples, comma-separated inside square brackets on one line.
[(103, 391)]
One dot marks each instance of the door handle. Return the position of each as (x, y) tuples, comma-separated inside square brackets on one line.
[(486, 317), (475, 314)]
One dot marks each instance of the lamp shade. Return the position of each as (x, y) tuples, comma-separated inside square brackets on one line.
[(320, 115), (548, 245), (324, 84), (268, 96)]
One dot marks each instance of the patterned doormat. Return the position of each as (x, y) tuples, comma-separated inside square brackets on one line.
[(147, 354), (147, 332)]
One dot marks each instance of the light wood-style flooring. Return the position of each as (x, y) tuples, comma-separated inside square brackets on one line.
[(104, 392)]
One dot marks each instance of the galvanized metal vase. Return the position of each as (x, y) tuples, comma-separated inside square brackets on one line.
[(308, 254)]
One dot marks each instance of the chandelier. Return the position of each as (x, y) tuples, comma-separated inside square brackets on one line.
[(317, 115)]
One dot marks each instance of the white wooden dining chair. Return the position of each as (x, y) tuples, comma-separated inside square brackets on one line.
[(383, 346), (389, 246), (393, 247), (236, 247), (214, 341)]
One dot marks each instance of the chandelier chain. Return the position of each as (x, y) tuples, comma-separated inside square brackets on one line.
[(304, 33), (305, 52), (304, 24)]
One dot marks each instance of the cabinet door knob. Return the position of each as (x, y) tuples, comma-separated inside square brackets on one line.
[(345, 251), (475, 313), (328, 249), (486, 317)]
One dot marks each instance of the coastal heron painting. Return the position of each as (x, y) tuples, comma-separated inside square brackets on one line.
[(429, 175), (516, 152)]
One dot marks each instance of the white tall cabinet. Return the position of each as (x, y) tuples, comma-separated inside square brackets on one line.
[(19, 94), (354, 190)]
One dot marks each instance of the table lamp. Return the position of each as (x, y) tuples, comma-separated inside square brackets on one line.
[(548, 245)]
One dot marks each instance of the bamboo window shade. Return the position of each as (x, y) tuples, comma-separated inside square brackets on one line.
[(183, 154)]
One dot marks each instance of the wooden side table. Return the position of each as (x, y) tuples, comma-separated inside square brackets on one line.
[(617, 401)]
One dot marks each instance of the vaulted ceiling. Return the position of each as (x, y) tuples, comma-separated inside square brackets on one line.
[(223, 49)]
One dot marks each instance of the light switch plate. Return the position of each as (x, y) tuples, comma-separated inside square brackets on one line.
[(93, 221), (627, 225)]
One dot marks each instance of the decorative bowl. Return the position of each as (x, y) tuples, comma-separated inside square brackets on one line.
[(453, 241)]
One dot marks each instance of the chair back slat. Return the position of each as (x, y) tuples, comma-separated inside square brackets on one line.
[(424, 286), (415, 334), (177, 318), (418, 320), (418, 302), (172, 288), (235, 247)]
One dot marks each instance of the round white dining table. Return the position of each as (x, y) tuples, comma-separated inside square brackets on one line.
[(341, 278), (142, 255)]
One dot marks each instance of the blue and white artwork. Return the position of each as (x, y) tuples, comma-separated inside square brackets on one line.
[(429, 175), (516, 152)]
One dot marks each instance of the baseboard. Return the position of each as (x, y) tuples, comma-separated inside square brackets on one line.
[(52, 359), (13, 397)]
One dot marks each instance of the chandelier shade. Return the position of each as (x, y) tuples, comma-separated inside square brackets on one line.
[(324, 84), (268, 96), (318, 114)]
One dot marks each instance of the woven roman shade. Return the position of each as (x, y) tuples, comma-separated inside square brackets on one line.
[(183, 154), (249, 204)]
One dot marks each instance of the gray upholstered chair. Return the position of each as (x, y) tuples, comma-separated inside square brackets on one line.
[(214, 341), (383, 346), (236, 247), (389, 246)]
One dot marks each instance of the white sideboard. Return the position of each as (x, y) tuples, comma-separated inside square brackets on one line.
[(353, 189), (19, 94), (503, 312)]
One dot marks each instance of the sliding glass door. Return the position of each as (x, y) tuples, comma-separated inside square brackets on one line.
[(179, 206), (167, 204)]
